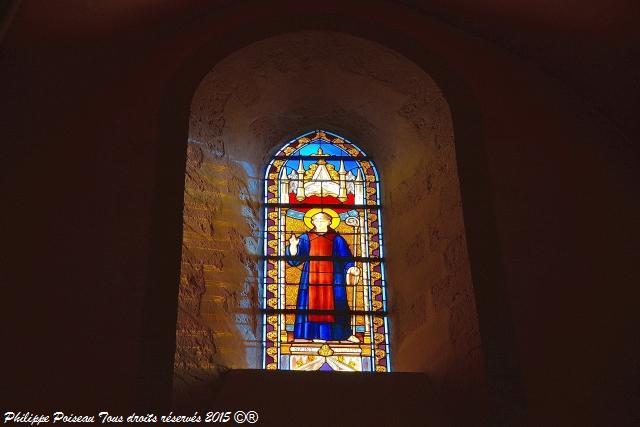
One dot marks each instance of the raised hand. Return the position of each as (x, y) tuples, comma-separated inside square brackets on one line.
[(293, 244)]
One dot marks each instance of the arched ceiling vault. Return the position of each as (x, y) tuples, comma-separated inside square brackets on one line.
[(590, 46)]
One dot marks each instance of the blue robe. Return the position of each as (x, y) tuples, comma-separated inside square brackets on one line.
[(340, 328)]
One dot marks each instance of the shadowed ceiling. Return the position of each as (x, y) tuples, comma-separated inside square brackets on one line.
[(591, 46)]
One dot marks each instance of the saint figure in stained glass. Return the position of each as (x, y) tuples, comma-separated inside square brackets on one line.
[(322, 294)]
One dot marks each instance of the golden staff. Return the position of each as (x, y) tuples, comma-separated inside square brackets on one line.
[(353, 221)]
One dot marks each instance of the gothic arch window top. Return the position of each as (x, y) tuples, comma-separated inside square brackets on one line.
[(324, 290)]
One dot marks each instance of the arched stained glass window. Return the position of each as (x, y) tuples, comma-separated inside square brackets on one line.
[(323, 298)]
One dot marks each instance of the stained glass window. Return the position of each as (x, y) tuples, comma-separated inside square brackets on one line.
[(324, 291)]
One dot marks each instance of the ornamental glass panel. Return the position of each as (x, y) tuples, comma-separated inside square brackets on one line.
[(324, 289)]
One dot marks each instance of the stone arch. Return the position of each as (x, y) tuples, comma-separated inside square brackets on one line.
[(156, 364), (248, 104)]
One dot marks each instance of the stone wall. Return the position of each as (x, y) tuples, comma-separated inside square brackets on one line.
[(244, 109)]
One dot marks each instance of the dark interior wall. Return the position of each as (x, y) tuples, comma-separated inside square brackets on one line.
[(84, 130)]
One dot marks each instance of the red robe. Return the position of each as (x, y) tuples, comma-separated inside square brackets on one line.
[(322, 286), (321, 276)]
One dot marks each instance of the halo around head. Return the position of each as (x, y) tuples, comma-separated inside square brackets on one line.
[(335, 218)]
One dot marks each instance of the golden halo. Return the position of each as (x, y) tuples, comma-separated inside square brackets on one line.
[(335, 218)]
